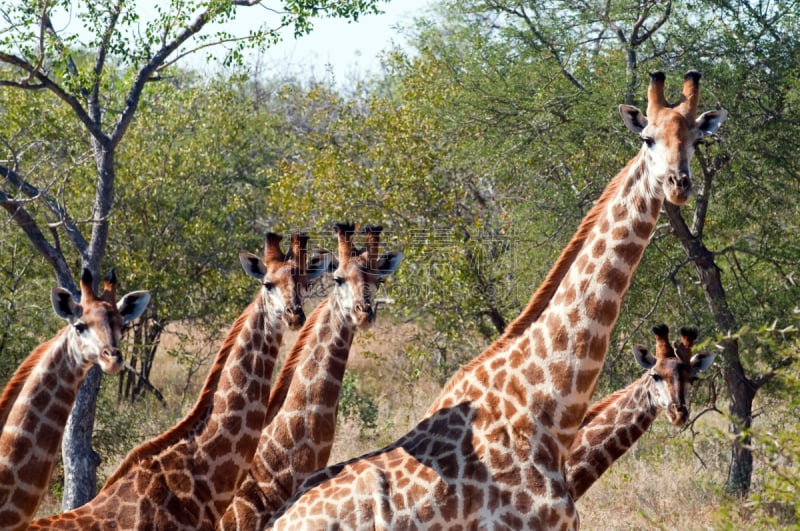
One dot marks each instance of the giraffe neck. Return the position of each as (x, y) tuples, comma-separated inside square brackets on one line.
[(298, 440), (610, 428), (544, 368), (228, 442), (34, 409)]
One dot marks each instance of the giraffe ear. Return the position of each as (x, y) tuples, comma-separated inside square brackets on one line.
[(319, 264), (64, 305), (133, 305), (252, 265), (702, 361), (388, 263), (709, 122), (633, 118), (643, 357)]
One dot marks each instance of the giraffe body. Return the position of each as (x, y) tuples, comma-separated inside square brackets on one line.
[(490, 452), (615, 423), (185, 478), (38, 399), (304, 402)]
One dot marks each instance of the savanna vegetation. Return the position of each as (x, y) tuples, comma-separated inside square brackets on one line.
[(479, 147)]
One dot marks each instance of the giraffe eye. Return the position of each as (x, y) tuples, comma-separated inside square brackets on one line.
[(656, 378), (81, 327), (269, 285), (339, 280), (649, 140)]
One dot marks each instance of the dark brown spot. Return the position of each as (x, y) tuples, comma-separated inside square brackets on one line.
[(598, 347), (620, 233), (629, 252), (599, 248), (655, 207), (614, 278), (642, 228), (561, 376), (640, 204), (560, 338), (585, 380), (573, 415)]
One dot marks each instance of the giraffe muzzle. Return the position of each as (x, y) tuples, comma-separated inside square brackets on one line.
[(366, 313), (111, 361), (679, 187), (678, 414), (295, 317)]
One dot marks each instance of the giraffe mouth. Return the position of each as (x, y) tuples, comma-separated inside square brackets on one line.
[(111, 361), (678, 188), (678, 415), (295, 317)]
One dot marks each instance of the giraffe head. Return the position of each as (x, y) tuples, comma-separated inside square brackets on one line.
[(359, 271), (96, 322), (670, 134), (672, 370), (285, 277)]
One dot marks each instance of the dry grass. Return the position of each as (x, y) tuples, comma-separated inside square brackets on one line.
[(669, 480)]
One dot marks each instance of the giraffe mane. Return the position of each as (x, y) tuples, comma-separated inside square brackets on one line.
[(601, 405), (280, 387), (200, 410), (21, 375), (541, 298)]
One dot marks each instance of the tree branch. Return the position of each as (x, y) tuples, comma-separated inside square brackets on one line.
[(773, 371), (46, 82), (25, 221), (60, 213)]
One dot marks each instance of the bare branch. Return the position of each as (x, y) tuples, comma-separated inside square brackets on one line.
[(635, 38), (35, 193), (101, 59), (522, 14), (25, 221)]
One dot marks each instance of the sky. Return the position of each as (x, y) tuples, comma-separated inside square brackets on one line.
[(335, 47)]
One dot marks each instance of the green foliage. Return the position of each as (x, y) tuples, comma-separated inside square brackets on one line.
[(357, 404)]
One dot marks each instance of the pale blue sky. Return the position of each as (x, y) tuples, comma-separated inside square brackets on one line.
[(334, 46)]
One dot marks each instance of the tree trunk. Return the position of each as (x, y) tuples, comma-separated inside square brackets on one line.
[(80, 459)]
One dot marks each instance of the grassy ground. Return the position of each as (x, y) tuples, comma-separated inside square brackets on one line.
[(670, 480)]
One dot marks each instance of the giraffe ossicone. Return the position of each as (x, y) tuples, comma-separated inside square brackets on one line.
[(37, 401), (490, 451)]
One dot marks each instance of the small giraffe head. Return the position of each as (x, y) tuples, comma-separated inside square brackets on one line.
[(671, 132), (285, 277), (359, 271), (673, 370), (96, 322)]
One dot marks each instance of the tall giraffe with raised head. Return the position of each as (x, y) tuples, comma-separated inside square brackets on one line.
[(614, 423), (490, 452), (38, 399), (298, 440), (186, 477)]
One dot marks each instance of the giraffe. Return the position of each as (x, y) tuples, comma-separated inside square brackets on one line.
[(490, 451), (614, 423), (186, 477), (38, 399), (298, 440)]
